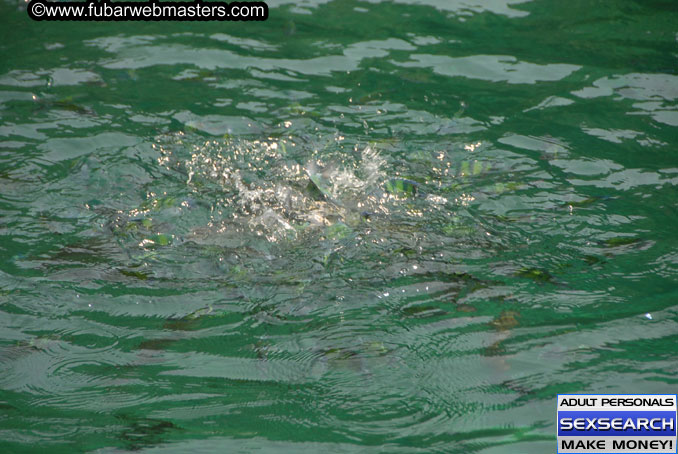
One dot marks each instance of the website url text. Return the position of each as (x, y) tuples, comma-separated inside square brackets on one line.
[(153, 10)]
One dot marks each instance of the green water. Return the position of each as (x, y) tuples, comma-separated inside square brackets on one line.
[(357, 227)]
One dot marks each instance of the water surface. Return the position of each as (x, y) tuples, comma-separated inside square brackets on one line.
[(357, 227)]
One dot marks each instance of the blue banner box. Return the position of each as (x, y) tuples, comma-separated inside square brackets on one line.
[(611, 423), (617, 423)]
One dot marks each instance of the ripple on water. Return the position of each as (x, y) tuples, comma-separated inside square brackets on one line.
[(341, 236)]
